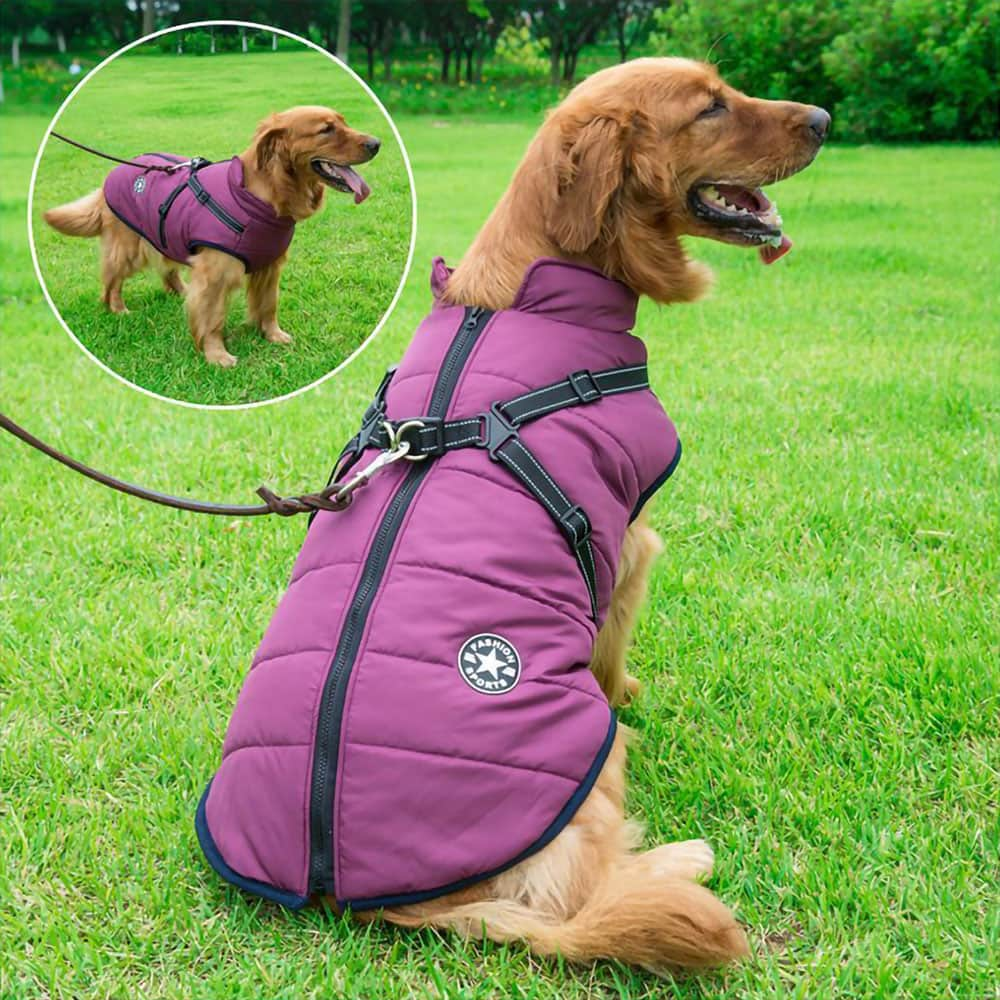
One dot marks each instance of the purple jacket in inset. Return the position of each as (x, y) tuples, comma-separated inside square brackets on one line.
[(420, 714), (179, 212)]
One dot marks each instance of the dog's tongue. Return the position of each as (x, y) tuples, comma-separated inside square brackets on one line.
[(769, 254), (356, 183)]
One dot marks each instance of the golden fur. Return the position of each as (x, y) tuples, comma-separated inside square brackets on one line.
[(277, 167), (605, 181)]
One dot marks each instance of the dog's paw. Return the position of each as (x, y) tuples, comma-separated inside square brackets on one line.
[(221, 358), (633, 687), (687, 859), (278, 336)]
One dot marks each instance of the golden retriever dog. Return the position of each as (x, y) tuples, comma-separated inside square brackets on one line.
[(635, 158), (294, 157)]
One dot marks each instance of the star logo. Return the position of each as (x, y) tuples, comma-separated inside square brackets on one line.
[(489, 664)]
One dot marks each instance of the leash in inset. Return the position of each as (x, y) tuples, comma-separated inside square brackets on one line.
[(167, 168), (335, 496)]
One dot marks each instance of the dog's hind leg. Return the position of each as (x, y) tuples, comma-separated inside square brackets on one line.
[(641, 547), (214, 276), (170, 276), (587, 895), (122, 254), (262, 301)]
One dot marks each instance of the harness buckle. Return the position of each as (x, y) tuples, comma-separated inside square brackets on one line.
[(496, 431), (585, 386), (575, 525)]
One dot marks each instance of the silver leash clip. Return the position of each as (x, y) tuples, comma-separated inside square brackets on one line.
[(398, 448)]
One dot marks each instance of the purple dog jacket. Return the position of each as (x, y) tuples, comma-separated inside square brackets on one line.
[(207, 206), (420, 714)]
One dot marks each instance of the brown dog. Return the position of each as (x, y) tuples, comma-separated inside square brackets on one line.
[(294, 156), (636, 157)]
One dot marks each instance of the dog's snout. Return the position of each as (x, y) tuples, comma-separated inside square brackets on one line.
[(373, 145), (818, 122)]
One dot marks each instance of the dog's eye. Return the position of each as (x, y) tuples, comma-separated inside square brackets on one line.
[(328, 129), (715, 108)]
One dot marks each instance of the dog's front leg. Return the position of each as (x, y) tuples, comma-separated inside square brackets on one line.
[(262, 301), (640, 548), (214, 276)]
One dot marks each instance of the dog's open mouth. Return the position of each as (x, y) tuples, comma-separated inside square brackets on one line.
[(343, 178), (742, 215)]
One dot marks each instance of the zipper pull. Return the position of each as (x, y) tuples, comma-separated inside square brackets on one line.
[(474, 316)]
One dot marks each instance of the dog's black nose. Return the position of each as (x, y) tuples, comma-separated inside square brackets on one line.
[(373, 145), (819, 123)]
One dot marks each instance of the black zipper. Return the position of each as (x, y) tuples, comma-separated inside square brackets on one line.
[(327, 749)]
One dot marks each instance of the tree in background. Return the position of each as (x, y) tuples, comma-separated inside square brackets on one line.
[(493, 16), (344, 32), (19, 17), (373, 26), (564, 27), (633, 22), (466, 30)]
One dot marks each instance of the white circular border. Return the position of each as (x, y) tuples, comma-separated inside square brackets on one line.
[(413, 208), (506, 642)]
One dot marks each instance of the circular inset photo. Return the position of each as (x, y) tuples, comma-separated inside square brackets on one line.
[(222, 214)]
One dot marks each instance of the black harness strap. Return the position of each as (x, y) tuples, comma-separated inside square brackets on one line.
[(204, 198), (438, 436), (496, 431), (201, 196), (570, 518)]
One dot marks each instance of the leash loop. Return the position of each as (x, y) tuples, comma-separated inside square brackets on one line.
[(342, 493)]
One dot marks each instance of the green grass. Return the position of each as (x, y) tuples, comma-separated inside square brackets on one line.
[(345, 264), (819, 653)]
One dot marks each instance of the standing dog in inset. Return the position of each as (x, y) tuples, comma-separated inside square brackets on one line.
[(225, 220)]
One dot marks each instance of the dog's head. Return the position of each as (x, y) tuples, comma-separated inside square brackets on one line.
[(313, 143), (642, 153)]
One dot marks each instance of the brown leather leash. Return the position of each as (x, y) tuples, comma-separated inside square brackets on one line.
[(168, 168), (335, 496)]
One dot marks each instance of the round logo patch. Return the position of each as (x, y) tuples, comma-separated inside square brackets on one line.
[(489, 664), (139, 184)]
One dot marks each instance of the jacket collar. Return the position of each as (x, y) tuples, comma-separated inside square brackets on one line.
[(258, 209), (567, 292)]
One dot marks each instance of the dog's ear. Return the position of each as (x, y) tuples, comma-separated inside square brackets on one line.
[(270, 140), (589, 165)]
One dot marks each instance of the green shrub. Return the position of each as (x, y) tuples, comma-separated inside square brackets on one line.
[(917, 69)]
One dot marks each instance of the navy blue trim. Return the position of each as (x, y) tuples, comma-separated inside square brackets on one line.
[(656, 484), (219, 246), (565, 815), (135, 229), (215, 859)]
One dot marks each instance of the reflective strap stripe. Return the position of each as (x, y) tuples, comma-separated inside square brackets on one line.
[(204, 198), (570, 518)]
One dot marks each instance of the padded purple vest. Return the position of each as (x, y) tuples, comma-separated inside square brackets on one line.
[(420, 714), (180, 211)]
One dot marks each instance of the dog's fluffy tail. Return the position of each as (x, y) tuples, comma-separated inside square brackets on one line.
[(634, 916), (78, 218)]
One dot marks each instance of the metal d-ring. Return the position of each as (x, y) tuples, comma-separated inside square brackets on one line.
[(396, 437)]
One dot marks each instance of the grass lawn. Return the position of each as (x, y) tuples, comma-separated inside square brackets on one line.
[(819, 653), (345, 264)]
